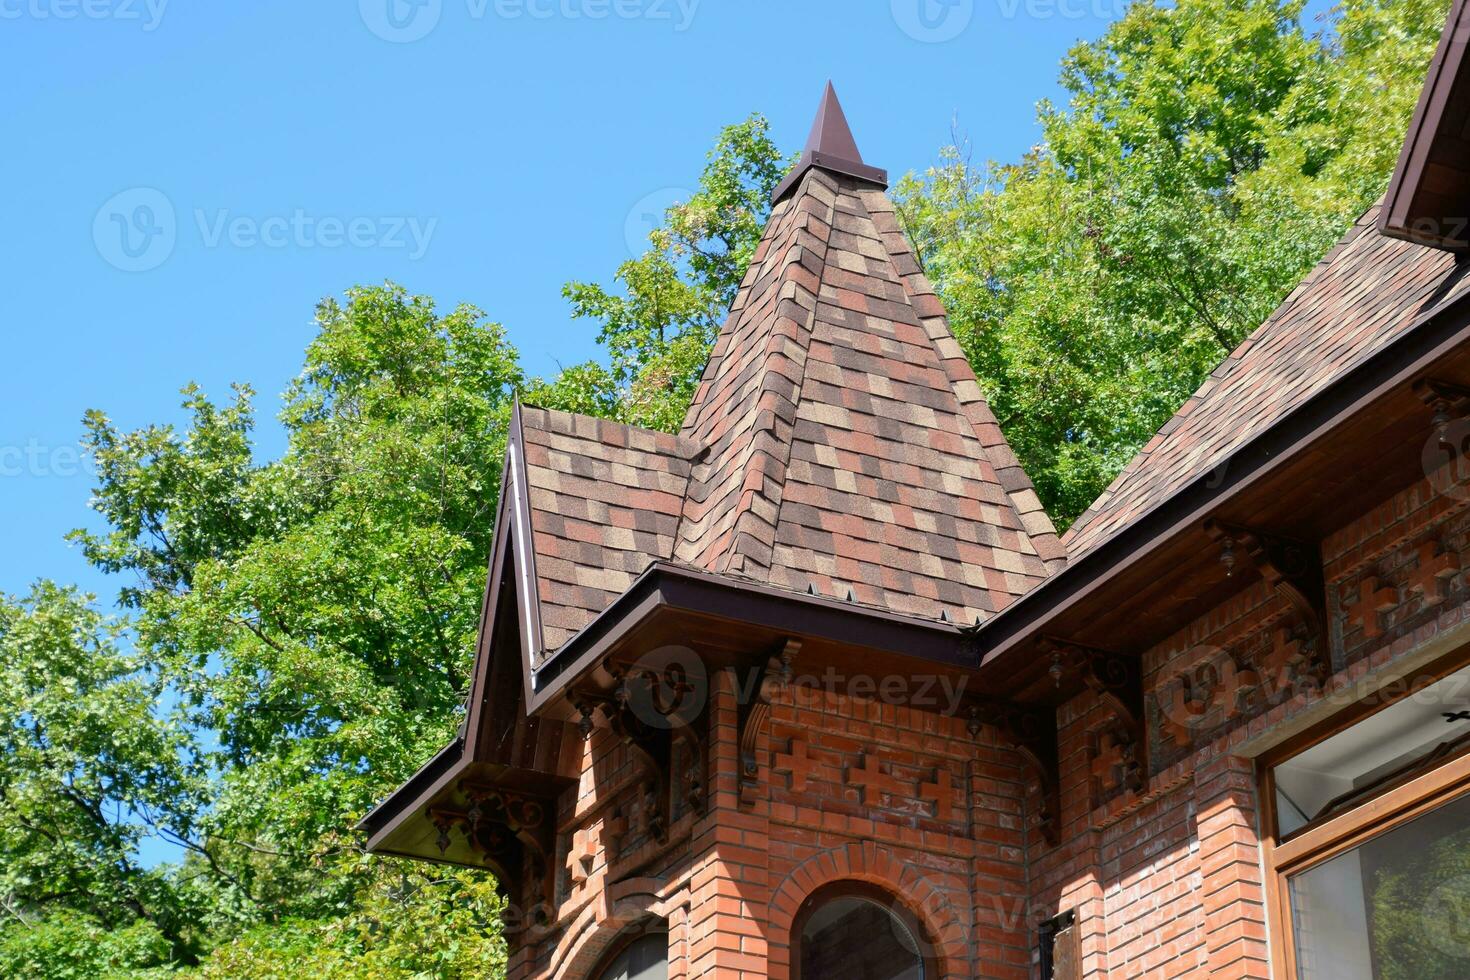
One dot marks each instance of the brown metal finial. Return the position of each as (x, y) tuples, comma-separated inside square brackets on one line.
[(831, 147)]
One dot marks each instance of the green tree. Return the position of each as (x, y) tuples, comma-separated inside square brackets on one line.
[(317, 613), (89, 768), (659, 326), (1209, 153)]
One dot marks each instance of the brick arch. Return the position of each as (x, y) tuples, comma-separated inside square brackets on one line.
[(876, 866), (603, 922)]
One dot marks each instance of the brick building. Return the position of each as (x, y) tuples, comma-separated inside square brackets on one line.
[(813, 688)]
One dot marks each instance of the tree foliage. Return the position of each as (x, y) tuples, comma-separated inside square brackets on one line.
[(1209, 153), (659, 326), (297, 633)]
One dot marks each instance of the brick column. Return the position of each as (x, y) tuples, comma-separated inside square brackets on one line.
[(730, 890), (1233, 894)]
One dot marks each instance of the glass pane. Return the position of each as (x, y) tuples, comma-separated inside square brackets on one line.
[(858, 939), (1396, 907), (1407, 730), (643, 959)]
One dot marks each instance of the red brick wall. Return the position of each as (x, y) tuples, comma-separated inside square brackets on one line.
[(1166, 882)]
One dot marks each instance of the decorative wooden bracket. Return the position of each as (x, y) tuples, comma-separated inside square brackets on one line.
[(1032, 732), (649, 712), (1118, 684), (511, 832), (1445, 398), (1292, 568), (755, 712)]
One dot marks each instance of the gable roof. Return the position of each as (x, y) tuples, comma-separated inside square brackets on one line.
[(838, 443), (1364, 294), (604, 502), (1428, 199)]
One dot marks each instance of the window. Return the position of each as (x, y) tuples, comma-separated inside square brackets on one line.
[(858, 933), (1369, 841), (644, 958), (1059, 955)]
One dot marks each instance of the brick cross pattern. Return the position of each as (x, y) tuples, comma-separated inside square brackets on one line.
[(941, 794), (1435, 566), (873, 781), (1181, 709), (614, 829), (797, 763), (1237, 683), (580, 856), (1111, 757), (1279, 665), (1371, 601)]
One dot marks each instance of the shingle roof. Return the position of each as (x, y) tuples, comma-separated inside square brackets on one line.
[(850, 447), (604, 502), (839, 442), (1362, 296)]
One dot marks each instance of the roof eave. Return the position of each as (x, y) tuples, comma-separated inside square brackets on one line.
[(666, 586), (1400, 363)]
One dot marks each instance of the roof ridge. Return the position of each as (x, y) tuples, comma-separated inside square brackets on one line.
[(682, 447), (1019, 490), (786, 296)]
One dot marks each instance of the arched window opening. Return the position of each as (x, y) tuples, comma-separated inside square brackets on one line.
[(644, 956), (856, 932)]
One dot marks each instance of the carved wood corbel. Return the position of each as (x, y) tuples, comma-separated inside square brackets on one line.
[(1444, 398), (1117, 682), (755, 713), (651, 712), (511, 833), (1032, 732), (1293, 569)]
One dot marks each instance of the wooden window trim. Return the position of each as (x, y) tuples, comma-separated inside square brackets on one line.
[(833, 891), (1397, 804), (628, 937)]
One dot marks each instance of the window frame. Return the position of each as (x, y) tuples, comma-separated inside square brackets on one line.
[(833, 891), (627, 938), (1398, 802)]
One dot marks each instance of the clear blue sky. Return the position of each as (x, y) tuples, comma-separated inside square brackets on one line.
[(523, 139)]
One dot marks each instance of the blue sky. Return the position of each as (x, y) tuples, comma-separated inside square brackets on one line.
[(184, 180)]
